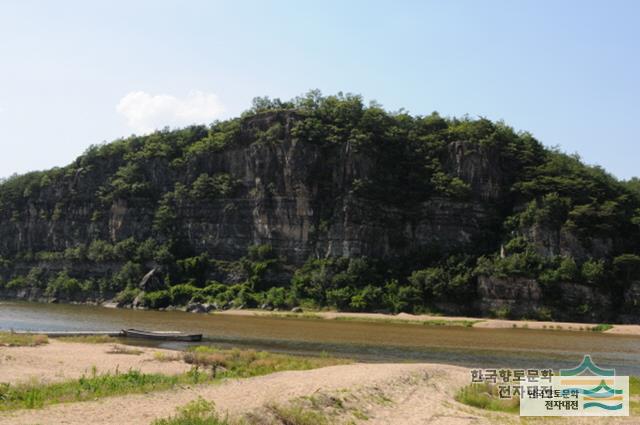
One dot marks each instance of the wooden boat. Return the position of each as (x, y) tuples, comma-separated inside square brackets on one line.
[(166, 336)]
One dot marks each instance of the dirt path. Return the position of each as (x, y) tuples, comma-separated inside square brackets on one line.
[(58, 361), (240, 396)]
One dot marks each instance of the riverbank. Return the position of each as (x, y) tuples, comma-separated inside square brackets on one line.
[(356, 393), (435, 320), (58, 361)]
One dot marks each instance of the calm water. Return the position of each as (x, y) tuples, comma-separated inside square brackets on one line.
[(482, 348)]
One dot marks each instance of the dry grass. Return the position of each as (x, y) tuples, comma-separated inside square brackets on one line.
[(486, 396), (88, 339), (10, 339), (246, 363), (160, 356), (121, 349)]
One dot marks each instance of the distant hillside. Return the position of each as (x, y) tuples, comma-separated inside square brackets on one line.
[(323, 201)]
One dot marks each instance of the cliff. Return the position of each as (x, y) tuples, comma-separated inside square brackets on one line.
[(306, 185)]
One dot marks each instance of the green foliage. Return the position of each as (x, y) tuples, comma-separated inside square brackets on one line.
[(194, 268), (487, 396), (220, 185), (197, 412), (602, 327), (64, 286), (334, 281), (129, 275), (182, 294), (276, 297), (593, 271), (627, 267), (36, 395), (525, 264), (127, 296), (260, 252), (36, 278), (157, 299), (10, 339), (100, 251), (17, 283)]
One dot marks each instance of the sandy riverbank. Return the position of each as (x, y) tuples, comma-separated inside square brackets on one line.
[(58, 361), (407, 394), (472, 321)]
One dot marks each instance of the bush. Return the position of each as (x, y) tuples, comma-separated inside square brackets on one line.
[(182, 294), (17, 283), (64, 286), (367, 299), (127, 296), (100, 251), (197, 412), (129, 275), (276, 297), (157, 299), (260, 252), (593, 271), (487, 396)]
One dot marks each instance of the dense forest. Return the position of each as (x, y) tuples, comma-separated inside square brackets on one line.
[(325, 202)]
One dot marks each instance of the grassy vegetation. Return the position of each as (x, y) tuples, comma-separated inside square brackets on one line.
[(10, 339), (88, 339), (202, 412), (634, 385), (198, 412), (161, 356), (485, 396), (432, 322), (601, 327), (237, 363), (304, 315), (121, 349), (296, 415), (33, 396), (233, 363)]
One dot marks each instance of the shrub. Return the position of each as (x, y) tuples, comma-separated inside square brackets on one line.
[(157, 299), (182, 294), (100, 251), (260, 252), (64, 286), (593, 271), (127, 296), (277, 297), (197, 412), (17, 283), (486, 396), (129, 275)]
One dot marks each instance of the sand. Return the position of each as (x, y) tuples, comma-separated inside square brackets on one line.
[(414, 393), (58, 361), (239, 396), (479, 322)]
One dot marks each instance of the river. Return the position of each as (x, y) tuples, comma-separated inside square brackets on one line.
[(363, 341)]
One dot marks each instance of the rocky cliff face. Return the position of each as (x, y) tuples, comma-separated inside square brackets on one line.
[(411, 192), (299, 197)]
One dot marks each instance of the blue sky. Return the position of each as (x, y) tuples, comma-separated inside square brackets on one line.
[(74, 73)]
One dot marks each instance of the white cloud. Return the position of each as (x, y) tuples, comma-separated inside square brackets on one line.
[(145, 112)]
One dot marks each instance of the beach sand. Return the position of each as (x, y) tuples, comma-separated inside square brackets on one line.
[(478, 322)]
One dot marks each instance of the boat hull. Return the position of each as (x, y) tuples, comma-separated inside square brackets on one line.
[(163, 336)]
